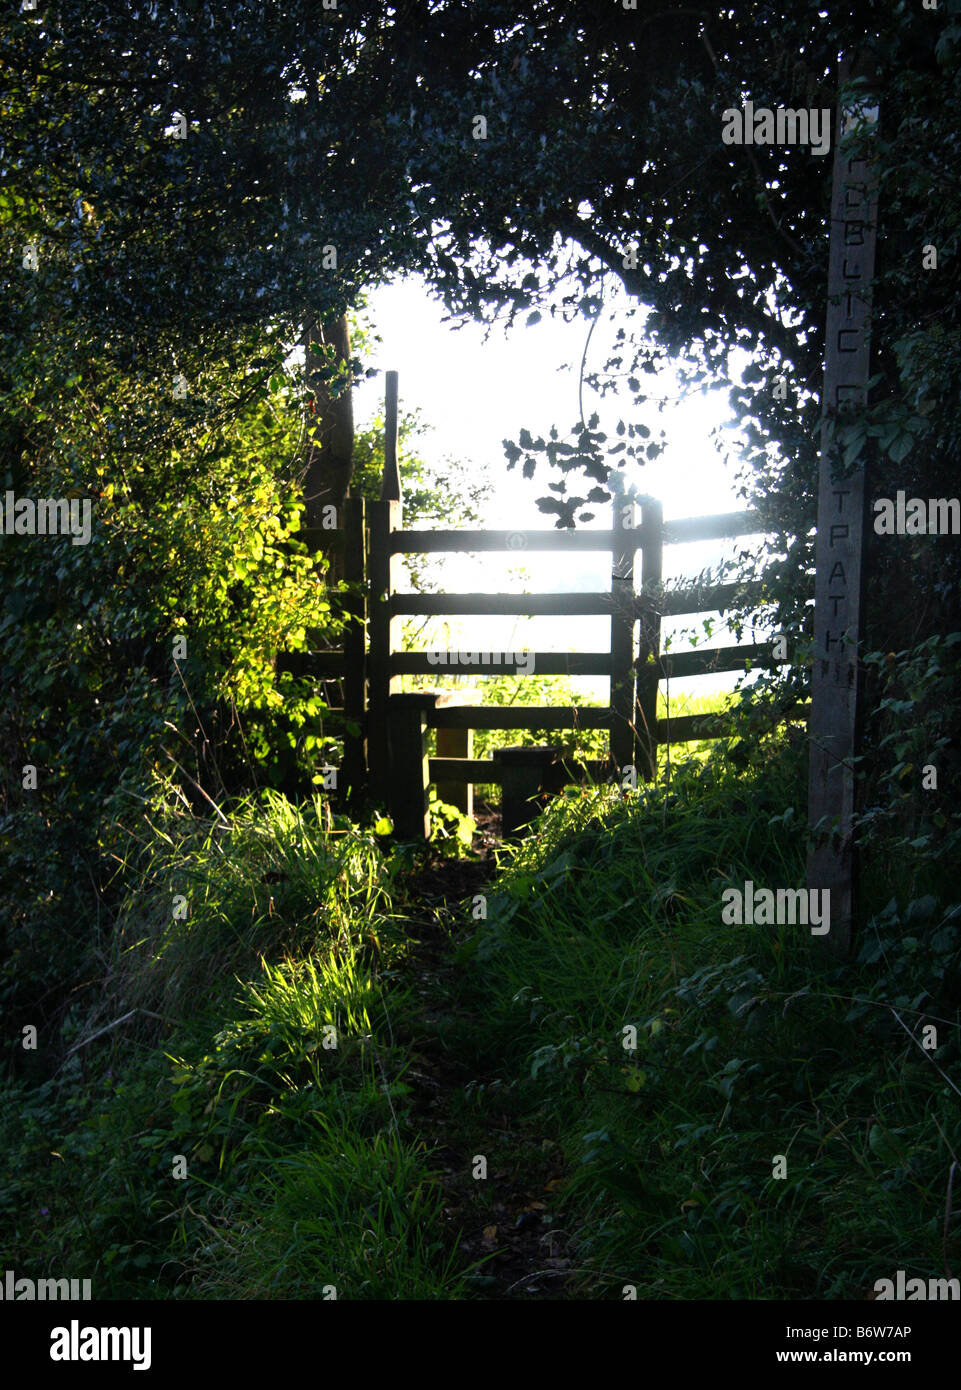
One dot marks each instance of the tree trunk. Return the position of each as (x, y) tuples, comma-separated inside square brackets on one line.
[(330, 450), (330, 445)]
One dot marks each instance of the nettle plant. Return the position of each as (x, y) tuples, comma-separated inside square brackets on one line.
[(452, 832)]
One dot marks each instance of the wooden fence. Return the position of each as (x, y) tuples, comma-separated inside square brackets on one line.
[(387, 758)]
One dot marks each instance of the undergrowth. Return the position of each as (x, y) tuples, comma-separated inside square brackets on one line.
[(730, 1111), (246, 1134), (741, 1116)]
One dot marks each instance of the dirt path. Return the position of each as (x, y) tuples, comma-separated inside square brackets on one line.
[(507, 1219)]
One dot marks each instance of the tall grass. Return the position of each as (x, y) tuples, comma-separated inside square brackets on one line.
[(247, 1132), (703, 1110), (750, 1044)]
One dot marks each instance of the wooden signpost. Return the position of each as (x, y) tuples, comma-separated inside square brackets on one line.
[(840, 523)]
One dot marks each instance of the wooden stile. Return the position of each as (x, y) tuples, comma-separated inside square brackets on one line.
[(388, 756)]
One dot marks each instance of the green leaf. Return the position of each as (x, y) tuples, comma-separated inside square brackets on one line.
[(901, 448)]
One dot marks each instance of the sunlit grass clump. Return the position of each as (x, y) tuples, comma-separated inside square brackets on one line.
[(247, 1134)]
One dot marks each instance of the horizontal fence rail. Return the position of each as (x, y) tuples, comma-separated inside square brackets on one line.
[(669, 603), (703, 598), (544, 664), (721, 526), (696, 528), (531, 605), (520, 717), (685, 728), (587, 663), (490, 770), (466, 542)]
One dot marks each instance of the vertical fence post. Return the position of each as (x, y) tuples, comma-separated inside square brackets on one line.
[(456, 743), (408, 792), (623, 739), (355, 645), (385, 517), (833, 724), (523, 772), (390, 490), (649, 664)]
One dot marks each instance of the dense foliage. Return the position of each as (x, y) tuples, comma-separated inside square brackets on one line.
[(189, 191)]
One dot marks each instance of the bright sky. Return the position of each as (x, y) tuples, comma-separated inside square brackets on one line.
[(476, 394)]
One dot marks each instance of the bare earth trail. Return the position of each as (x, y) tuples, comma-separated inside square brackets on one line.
[(505, 1220)]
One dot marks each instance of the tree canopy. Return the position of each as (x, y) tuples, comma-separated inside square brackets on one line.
[(190, 173)]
